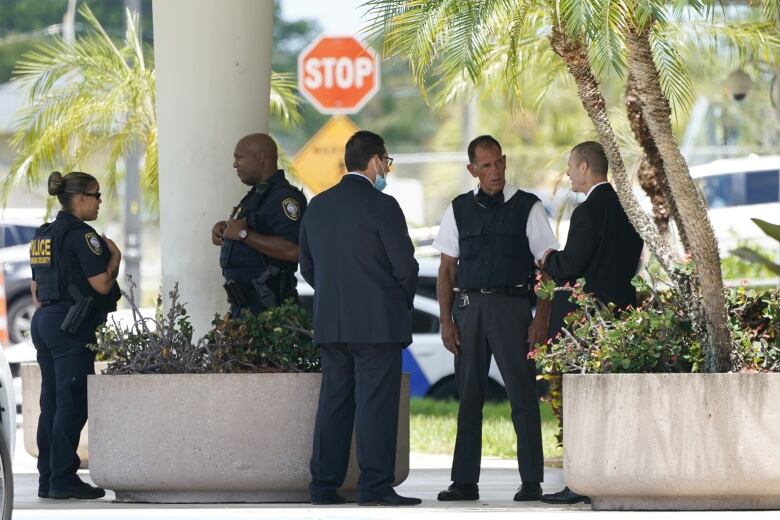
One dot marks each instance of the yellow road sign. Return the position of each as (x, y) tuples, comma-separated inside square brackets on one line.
[(320, 163)]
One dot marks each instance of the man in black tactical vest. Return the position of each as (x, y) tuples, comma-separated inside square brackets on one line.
[(489, 240), (259, 241)]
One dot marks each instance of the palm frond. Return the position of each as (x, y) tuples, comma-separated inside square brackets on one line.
[(285, 105), (673, 74), (93, 96), (607, 30)]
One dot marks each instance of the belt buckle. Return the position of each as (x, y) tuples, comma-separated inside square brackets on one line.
[(486, 291)]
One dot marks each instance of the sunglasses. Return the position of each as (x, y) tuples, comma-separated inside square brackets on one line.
[(95, 194)]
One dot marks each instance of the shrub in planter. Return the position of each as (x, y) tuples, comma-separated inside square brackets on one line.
[(277, 340), (644, 430)]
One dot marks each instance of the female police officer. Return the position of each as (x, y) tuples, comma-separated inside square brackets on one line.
[(74, 288)]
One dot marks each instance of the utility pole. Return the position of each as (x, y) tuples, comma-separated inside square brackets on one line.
[(469, 132), (132, 209), (69, 23)]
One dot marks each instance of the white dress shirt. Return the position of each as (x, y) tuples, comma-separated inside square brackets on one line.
[(538, 229)]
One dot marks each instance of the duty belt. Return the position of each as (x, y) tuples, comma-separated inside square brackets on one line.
[(520, 290)]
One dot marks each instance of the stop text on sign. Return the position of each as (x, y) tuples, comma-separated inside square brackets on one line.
[(338, 74), (343, 73)]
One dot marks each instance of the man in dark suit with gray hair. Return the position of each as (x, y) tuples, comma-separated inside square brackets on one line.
[(357, 255)]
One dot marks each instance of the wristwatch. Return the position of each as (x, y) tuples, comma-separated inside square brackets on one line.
[(242, 234)]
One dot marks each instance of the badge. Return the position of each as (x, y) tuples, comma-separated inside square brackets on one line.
[(94, 243), (291, 208)]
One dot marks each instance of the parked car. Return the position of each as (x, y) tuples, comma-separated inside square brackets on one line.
[(7, 438), (430, 365), (15, 262)]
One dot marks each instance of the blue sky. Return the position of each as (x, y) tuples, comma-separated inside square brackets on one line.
[(336, 17)]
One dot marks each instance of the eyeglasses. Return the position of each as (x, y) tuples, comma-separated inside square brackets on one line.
[(95, 194), (388, 159)]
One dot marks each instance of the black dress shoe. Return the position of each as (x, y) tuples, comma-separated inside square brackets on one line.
[(459, 491), (529, 491), (81, 491), (328, 499), (391, 499), (565, 496)]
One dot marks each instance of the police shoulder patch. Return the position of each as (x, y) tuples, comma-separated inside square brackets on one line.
[(94, 243), (291, 208)]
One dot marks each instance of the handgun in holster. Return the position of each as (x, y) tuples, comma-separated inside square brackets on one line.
[(265, 295), (78, 312), (236, 294)]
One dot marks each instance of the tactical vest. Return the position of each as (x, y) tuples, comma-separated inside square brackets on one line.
[(494, 250), (54, 271), (236, 258)]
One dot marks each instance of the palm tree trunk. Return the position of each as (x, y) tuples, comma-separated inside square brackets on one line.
[(690, 202), (575, 56), (651, 174)]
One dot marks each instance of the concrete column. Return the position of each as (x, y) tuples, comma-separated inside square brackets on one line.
[(213, 67)]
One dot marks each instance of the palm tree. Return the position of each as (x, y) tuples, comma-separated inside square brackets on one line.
[(459, 41), (95, 95)]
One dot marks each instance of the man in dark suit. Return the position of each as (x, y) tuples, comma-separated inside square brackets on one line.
[(357, 255), (602, 246)]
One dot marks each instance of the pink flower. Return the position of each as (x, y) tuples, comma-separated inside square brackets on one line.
[(531, 354)]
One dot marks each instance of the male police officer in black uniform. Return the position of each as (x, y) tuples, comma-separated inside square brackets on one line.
[(259, 242), (489, 239)]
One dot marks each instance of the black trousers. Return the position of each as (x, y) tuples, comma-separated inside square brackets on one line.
[(361, 385), (65, 363), (497, 325)]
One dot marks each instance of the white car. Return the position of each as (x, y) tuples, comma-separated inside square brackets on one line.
[(430, 365), (8, 437)]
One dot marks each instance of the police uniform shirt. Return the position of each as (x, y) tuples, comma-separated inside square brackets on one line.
[(538, 230), (83, 248), (281, 210), (87, 249), (278, 214)]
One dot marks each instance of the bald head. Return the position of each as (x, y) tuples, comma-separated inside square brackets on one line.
[(255, 158)]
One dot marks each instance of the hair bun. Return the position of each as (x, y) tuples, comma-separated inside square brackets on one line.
[(56, 184)]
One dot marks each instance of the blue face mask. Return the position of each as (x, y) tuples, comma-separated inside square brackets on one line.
[(380, 182)]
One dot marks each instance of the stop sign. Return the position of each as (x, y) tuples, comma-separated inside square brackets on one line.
[(338, 74)]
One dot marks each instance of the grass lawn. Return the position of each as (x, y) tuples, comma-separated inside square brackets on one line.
[(433, 425)]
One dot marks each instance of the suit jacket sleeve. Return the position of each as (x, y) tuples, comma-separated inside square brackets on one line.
[(306, 262), (571, 262), (399, 249)]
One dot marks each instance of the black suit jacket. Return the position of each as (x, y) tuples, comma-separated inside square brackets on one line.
[(356, 252), (603, 247)]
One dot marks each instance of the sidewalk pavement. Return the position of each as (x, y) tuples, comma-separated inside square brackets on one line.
[(429, 474)]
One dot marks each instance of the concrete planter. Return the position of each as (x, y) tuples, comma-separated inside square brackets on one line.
[(191, 438), (31, 410), (673, 441)]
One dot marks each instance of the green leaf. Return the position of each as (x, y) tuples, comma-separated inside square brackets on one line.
[(756, 257), (772, 230)]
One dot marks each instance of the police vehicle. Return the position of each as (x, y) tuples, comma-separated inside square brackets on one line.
[(430, 365)]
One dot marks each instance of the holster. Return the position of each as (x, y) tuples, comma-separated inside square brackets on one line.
[(265, 295), (77, 312), (236, 294)]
